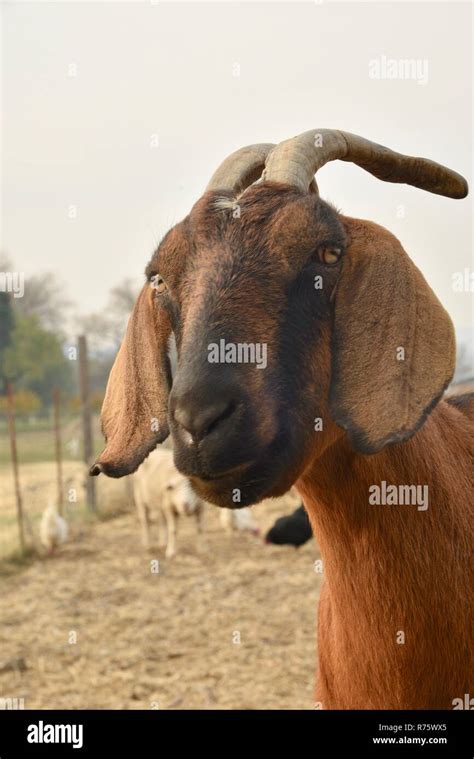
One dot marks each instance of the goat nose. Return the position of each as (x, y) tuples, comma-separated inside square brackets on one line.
[(198, 419)]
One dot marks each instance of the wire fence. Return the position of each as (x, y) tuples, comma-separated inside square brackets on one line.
[(44, 461)]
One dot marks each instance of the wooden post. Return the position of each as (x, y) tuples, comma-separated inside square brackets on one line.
[(14, 455), (57, 447), (86, 419)]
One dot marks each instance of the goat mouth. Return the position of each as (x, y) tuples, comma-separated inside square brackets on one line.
[(244, 486), (266, 474), (228, 474)]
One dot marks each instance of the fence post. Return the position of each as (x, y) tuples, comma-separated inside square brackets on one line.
[(57, 446), (14, 455), (86, 419)]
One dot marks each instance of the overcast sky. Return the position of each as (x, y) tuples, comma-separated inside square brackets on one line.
[(89, 88)]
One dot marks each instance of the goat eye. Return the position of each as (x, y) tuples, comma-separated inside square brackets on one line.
[(158, 283), (329, 256)]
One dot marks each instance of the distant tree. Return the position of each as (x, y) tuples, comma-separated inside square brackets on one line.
[(7, 323), (100, 365), (105, 331), (122, 298), (44, 298), (25, 401), (121, 302), (464, 364), (100, 332), (35, 361)]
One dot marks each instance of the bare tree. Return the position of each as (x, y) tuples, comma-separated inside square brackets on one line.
[(123, 297), (106, 330), (44, 298)]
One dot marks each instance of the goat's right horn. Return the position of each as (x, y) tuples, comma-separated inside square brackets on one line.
[(297, 160), (241, 168)]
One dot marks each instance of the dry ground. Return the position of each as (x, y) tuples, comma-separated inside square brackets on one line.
[(167, 639), (39, 488)]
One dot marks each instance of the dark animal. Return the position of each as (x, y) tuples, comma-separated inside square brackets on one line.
[(291, 530)]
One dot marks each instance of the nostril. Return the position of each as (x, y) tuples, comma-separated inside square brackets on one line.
[(224, 415), (198, 421)]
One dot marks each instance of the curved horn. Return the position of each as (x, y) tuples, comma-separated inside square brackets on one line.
[(296, 161), (240, 168)]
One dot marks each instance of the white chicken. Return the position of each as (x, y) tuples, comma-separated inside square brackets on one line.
[(53, 528)]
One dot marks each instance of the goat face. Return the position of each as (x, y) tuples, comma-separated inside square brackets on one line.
[(287, 334), (251, 311)]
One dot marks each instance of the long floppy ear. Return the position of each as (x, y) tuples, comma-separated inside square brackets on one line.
[(393, 343), (134, 412)]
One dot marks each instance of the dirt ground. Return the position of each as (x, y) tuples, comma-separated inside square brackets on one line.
[(39, 488), (166, 639)]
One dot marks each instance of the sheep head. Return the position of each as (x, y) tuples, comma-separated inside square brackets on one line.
[(294, 325)]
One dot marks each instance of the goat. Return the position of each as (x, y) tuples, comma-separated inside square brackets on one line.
[(293, 529), (355, 353), (159, 487)]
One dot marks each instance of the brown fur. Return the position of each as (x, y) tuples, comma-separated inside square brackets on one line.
[(332, 355), (137, 421), (394, 568), (384, 306)]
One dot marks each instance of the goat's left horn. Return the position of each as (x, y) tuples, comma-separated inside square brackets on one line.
[(296, 161), (241, 168)]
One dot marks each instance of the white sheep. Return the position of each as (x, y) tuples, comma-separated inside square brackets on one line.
[(158, 487), (240, 520)]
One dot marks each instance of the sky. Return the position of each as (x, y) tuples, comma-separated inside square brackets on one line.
[(115, 115)]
